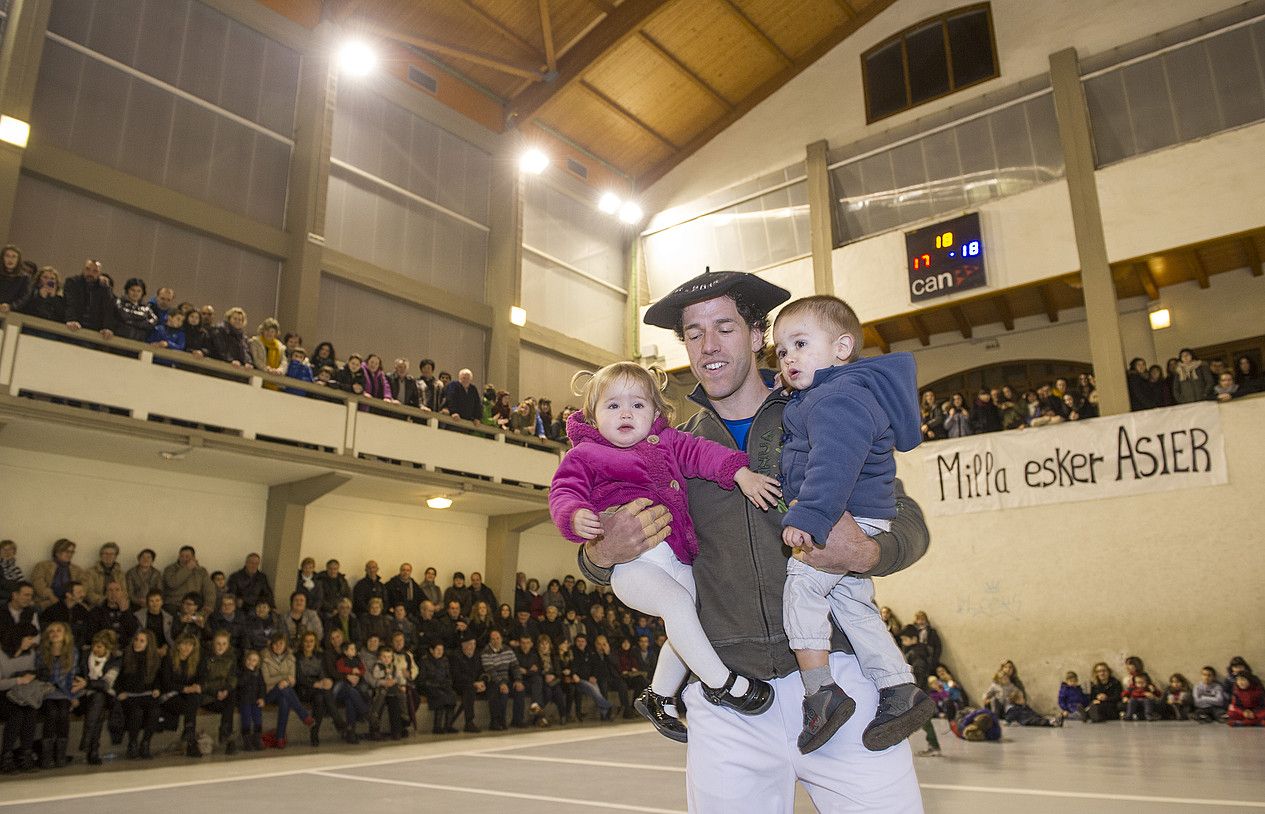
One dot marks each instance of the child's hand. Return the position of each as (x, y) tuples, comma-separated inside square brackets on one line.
[(761, 490), (585, 524), (796, 538)]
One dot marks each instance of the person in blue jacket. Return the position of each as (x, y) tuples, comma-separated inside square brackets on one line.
[(170, 334), (298, 369), (845, 418)]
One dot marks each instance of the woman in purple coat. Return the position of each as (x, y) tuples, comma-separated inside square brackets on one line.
[(624, 449)]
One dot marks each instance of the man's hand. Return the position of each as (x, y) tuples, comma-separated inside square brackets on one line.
[(628, 532), (585, 524), (848, 549)]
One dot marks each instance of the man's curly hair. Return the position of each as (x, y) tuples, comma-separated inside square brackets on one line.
[(753, 315)]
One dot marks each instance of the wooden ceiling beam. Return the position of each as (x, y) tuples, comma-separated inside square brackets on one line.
[(605, 6), (685, 70), (1047, 300), (502, 28), (1201, 271), (959, 317), (846, 8), (497, 63), (875, 338), (628, 115), (343, 11), (920, 328), (621, 22), (1004, 312), (1253, 256), (1143, 272), (546, 32), (764, 91), (759, 32)]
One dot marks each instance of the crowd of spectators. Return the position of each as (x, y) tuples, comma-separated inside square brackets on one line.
[(1237, 698), (143, 650), (88, 301), (1187, 379)]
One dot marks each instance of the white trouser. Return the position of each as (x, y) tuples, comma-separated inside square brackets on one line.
[(741, 762), (658, 584)]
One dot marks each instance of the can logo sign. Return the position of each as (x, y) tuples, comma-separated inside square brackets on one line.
[(945, 258)]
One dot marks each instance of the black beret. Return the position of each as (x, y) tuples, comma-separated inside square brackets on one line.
[(711, 284)]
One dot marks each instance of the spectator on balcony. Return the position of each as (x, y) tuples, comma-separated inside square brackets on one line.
[(1227, 388), (208, 316), (985, 415), (461, 398), (106, 570), (170, 333), (1191, 379), (351, 377), (185, 576), (545, 427), (142, 578), (90, 301), (45, 299), (1141, 394), (298, 368), (324, 355), (133, 318), (560, 426), (426, 382), (524, 419), (197, 339), (15, 283), (1247, 377), (406, 390), (249, 584), (957, 419), (441, 384), (291, 341), (932, 417), (161, 303), (376, 385), (501, 412), (1161, 386), (266, 351), (52, 577), (231, 344)]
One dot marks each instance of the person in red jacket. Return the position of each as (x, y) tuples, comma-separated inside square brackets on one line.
[(1247, 702)]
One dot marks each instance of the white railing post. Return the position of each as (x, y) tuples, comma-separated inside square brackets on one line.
[(349, 435), (8, 351)]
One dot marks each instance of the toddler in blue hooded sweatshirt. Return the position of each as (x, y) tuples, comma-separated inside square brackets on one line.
[(845, 418)]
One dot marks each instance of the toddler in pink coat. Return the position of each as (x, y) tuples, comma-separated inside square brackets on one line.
[(623, 449)]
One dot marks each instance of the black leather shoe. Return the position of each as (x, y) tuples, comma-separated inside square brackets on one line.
[(757, 699), (650, 705)]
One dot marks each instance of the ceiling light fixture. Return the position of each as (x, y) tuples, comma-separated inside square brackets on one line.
[(518, 316), (439, 502), (630, 213), (533, 161), (357, 58), (1160, 319), (14, 131), (609, 203)]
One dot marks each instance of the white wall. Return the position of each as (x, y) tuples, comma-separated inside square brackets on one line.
[(1059, 587), (827, 101), (46, 497), (545, 554)]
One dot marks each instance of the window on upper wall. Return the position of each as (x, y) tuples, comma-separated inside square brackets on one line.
[(934, 58)]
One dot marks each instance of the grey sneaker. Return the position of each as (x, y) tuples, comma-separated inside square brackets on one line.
[(902, 710), (824, 712)]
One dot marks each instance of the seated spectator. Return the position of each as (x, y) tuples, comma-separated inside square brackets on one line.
[(52, 577), (313, 687), (997, 696), (208, 316), (402, 588), (1237, 666), (106, 570), (307, 582), (403, 630), (345, 621), (1072, 699), (957, 419), (929, 636), (631, 670), (435, 683), (230, 340), (278, 671), (15, 283), (249, 584), (250, 700), (90, 301), (503, 677), (301, 619), (1246, 376), (948, 700), (461, 398), (181, 684), (10, 572), (404, 386), (1019, 713), (137, 690), (333, 588), (142, 578), (1191, 380), (460, 593), (1247, 702), (133, 318), (154, 617), (1209, 696), (71, 611), (560, 426), (261, 626), (467, 679), (375, 381), (267, 353), (45, 299), (1177, 697), (479, 590), (985, 415), (228, 619), (481, 623), (554, 687), (532, 677), (430, 590), (220, 584), (374, 622), (889, 618), (219, 685), (586, 668), (170, 333), (1141, 699), (1105, 693), (350, 689), (99, 670)]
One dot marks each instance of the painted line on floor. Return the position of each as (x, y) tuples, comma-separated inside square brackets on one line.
[(499, 793), (645, 767), (1090, 795)]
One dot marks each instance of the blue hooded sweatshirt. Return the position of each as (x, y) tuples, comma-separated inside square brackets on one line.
[(838, 442)]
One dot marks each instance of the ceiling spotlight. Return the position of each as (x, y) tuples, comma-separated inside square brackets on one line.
[(439, 502), (630, 213), (1160, 319), (533, 161), (518, 316), (609, 203), (357, 58), (14, 131)]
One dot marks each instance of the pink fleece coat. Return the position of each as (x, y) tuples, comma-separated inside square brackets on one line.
[(596, 475)]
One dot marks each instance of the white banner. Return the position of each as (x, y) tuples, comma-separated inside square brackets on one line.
[(1149, 451)]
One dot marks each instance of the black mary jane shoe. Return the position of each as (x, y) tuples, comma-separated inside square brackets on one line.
[(650, 705), (756, 700)]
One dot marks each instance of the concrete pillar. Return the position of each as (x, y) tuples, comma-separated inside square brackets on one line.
[(20, 52), (505, 269), (820, 217), (283, 526), (503, 536), (299, 292), (1101, 310)]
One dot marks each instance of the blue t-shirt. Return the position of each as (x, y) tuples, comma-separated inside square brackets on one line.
[(739, 429)]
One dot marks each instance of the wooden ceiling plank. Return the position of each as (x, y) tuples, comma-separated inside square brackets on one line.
[(920, 328), (498, 63), (1004, 312), (501, 27), (546, 31), (685, 70), (1253, 256), (343, 11), (959, 317), (605, 6), (629, 115), (1143, 272), (759, 32), (620, 23), (874, 337), (764, 91), (1197, 265), (846, 8), (1047, 300)]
